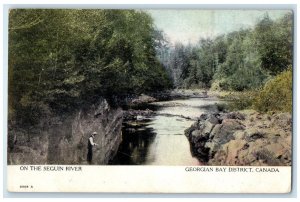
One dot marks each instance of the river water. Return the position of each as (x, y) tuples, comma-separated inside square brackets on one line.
[(160, 139)]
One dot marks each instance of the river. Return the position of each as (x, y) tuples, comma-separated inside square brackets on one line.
[(160, 139)]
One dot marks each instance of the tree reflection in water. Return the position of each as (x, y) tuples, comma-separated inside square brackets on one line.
[(135, 145)]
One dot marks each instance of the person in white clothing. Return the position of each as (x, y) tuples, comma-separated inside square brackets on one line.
[(91, 143)]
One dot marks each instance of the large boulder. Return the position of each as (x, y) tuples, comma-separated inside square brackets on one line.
[(224, 133)]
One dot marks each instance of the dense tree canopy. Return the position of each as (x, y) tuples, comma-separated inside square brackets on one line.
[(239, 60), (62, 59)]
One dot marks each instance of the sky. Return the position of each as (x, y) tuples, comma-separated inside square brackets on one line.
[(188, 26)]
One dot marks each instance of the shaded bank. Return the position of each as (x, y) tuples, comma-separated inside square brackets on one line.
[(63, 140)]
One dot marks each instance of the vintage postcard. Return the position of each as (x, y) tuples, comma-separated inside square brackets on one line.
[(150, 101)]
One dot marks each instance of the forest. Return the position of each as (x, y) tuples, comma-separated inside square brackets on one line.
[(256, 62), (237, 61), (115, 77), (60, 60)]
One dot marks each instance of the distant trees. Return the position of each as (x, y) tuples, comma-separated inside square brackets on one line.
[(61, 59), (239, 60), (241, 68), (274, 41)]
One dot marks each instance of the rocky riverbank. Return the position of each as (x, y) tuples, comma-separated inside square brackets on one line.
[(137, 107), (63, 140), (245, 138)]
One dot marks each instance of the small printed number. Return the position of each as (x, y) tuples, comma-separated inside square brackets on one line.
[(26, 187)]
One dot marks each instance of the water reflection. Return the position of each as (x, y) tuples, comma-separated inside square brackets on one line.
[(160, 140), (135, 145)]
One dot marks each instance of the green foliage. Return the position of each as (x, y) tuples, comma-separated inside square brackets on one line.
[(241, 100), (241, 68), (273, 40), (62, 59), (276, 95), (238, 61)]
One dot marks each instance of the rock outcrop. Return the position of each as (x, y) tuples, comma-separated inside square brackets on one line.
[(142, 99), (242, 138), (63, 140), (132, 114)]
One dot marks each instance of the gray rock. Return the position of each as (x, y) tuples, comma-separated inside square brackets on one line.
[(208, 127), (225, 133), (203, 117), (196, 134), (66, 138), (213, 119), (216, 130), (253, 134), (239, 135), (239, 139), (235, 115), (282, 120)]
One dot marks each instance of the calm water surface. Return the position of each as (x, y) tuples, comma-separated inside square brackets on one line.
[(160, 139)]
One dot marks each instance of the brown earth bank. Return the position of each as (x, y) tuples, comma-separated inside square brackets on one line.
[(63, 140), (243, 138)]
